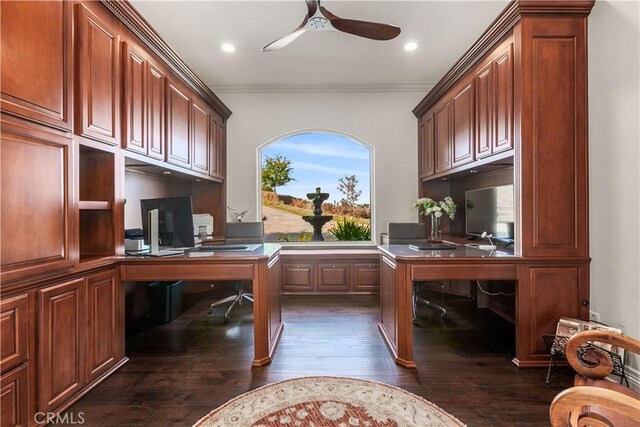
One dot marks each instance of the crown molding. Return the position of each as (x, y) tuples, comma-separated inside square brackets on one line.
[(499, 28), (130, 17), (322, 87)]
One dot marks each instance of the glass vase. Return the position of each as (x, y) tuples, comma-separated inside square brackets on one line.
[(436, 231)]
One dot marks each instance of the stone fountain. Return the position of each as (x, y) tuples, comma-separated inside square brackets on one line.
[(317, 220)]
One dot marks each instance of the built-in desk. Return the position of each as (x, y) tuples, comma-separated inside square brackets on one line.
[(546, 289), (261, 266)]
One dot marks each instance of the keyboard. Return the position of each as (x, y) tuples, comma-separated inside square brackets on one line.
[(432, 247), (223, 248)]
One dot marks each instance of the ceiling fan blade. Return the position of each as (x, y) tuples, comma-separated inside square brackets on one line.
[(283, 41), (369, 30), (312, 5)]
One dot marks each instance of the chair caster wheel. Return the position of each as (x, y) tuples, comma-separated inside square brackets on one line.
[(225, 320), (210, 311)]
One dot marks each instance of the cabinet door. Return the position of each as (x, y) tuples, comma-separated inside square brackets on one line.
[(36, 197), (14, 332), (36, 37), (504, 100), (484, 111), (366, 278), (442, 132), (463, 124), (102, 324), (333, 277), (426, 146), (14, 398), (61, 343), (155, 134), (217, 147), (97, 110), (200, 137), (134, 123), (178, 106), (297, 277)]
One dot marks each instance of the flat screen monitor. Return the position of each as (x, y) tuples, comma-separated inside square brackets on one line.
[(490, 210), (175, 221)]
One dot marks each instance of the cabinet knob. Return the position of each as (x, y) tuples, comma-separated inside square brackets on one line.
[(297, 266), (333, 266), (585, 302)]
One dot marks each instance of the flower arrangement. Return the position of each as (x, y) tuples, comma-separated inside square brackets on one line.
[(428, 207)]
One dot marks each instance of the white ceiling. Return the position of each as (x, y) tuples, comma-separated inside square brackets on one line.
[(444, 30)]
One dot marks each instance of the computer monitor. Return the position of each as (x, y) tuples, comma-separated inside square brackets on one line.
[(175, 221)]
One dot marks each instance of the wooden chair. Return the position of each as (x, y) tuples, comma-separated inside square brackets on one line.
[(593, 400)]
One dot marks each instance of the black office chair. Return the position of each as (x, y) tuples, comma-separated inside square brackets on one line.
[(240, 233), (413, 233)]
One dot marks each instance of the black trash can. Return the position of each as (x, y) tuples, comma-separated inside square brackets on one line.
[(166, 301)]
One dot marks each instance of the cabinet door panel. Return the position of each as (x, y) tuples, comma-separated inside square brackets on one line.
[(178, 106), (98, 77), (155, 112), (333, 277), (426, 148), (217, 147), (297, 277), (134, 122), (463, 124), (200, 138), (61, 342), (102, 324), (484, 111), (504, 101), (14, 398), (443, 138), (35, 37), (14, 332), (366, 278), (36, 195)]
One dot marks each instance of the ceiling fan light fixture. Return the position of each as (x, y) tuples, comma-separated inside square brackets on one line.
[(411, 46), (228, 47)]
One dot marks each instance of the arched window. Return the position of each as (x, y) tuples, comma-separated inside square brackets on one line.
[(294, 166)]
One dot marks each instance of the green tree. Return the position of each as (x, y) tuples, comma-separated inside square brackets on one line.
[(347, 186), (276, 172)]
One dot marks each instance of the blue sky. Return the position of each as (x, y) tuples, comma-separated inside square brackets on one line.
[(320, 160)]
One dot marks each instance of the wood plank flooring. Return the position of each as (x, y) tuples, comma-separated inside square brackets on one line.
[(180, 371)]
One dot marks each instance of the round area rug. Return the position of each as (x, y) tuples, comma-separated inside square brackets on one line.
[(328, 402)]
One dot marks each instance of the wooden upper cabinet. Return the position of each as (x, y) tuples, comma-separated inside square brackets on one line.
[(217, 147), (61, 341), (178, 109), (200, 122), (442, 134), (143, 129), (462, 146), (504, 100), (426, 148), (484, 111), (134, 105), (36, 70), (97, 79), (155, 135), (36, 195)]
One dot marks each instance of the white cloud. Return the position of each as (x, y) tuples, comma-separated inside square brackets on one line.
[(323, 149), (328, 169)]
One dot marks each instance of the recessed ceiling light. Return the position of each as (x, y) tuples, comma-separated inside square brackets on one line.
[(228, 47), (410, 46)]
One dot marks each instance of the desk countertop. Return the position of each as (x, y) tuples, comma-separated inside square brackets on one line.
[(460, 252), (266, 250)]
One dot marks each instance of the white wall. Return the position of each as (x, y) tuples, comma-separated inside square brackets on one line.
[(614, 163), (383, 120)]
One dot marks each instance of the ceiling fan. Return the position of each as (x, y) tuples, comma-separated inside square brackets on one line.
[(318, 18)]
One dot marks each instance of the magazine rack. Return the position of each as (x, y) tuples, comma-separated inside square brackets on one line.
[(556, 346)]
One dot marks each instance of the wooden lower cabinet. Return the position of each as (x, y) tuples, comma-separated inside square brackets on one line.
[(79, 333), (317, 272), (61, 342), (14, 397)]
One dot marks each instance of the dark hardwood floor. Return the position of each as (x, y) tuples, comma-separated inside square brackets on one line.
[(180, 371)]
